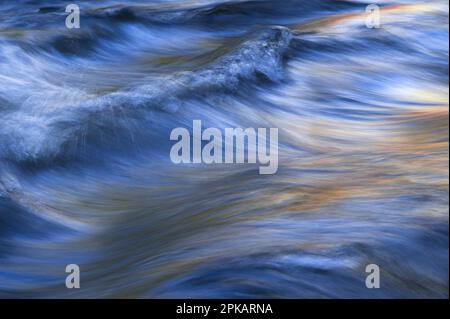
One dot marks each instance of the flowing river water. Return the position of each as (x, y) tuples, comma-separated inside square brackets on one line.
[(86, 177)]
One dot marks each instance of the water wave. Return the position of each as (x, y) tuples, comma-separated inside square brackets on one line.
[(86, 178)]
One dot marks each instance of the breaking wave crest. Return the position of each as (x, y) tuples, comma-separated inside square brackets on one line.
[(45, 133)]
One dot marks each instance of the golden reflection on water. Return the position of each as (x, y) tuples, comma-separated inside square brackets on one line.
[(325, 163)]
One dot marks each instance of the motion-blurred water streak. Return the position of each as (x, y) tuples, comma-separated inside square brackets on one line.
[(86, 177)]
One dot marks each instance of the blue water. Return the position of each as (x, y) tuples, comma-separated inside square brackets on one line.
[(86, 177)]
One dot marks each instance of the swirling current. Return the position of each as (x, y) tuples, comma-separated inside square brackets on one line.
[(86, 178)]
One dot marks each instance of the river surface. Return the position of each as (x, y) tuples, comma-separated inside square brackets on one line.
[(86, 177)]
